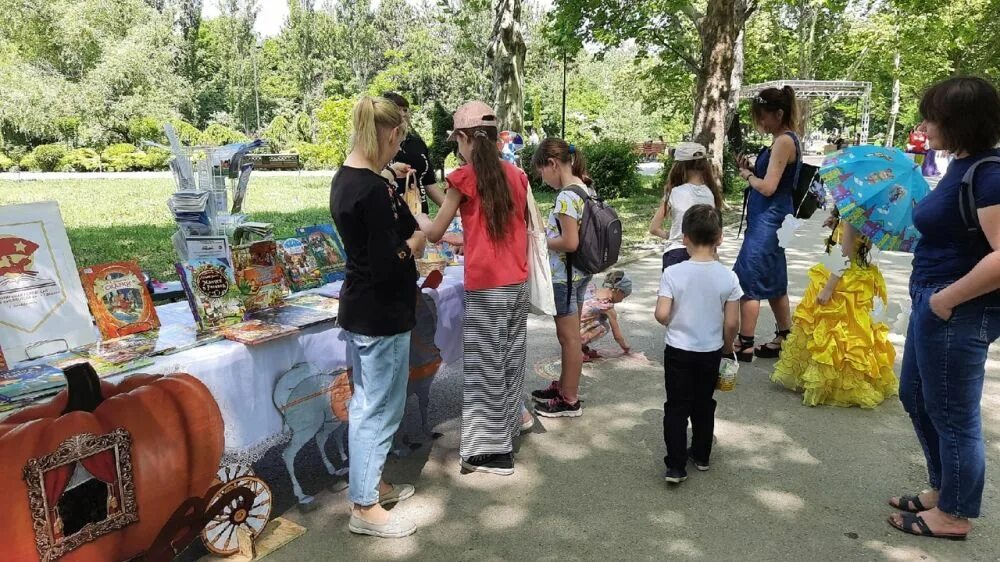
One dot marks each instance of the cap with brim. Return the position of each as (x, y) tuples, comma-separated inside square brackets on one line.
[(687, 151), (471, 115)]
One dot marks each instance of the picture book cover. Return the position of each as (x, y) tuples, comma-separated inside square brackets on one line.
[(300, 265), (298, 316), (324, 243), (120, 350), (102, 367), (22, 382), (316, 301), (253, 332), (3, 362), (119, 299), (259, 278), (211, 291), (175, 338)]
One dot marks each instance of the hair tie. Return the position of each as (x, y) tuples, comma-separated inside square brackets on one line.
[(572, 149), (480, 133)]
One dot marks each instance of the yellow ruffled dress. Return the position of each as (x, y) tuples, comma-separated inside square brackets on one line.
[(836, 354)]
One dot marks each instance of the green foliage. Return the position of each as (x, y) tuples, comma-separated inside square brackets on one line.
[(80, 160), (156, 158), (44, 158), (218, 135), (318, 156), (122, 157), (613, 167), (187, 133), (279, 133), (333, 128), (6, 162), (145, 129), (440, 148)]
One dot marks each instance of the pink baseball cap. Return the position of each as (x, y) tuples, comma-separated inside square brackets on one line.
[(473, 114)]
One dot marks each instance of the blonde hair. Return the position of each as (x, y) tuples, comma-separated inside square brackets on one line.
[(374, 116)]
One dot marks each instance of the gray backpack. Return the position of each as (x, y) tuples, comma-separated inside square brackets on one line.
[(600, 236)]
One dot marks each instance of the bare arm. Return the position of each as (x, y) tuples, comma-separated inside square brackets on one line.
[(730, 325), (616, 329), (656, 225), (662, 312), (435, 193), (435, 229), (984, 278), (569, 240), (782, 155)]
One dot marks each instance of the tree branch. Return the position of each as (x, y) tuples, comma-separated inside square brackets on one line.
[(692, 13)]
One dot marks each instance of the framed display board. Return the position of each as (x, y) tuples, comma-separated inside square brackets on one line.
[(43, 308)]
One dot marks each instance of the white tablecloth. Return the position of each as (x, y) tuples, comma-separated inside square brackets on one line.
[(242, 378)]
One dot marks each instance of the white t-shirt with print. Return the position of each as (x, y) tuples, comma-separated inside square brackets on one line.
[(682, 198), (700, 291), (570, 204)]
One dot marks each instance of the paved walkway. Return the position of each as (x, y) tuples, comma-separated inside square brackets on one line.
[(788, 482)]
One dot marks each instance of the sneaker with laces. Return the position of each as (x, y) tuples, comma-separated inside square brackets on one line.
[(675, 475), (699, 464), (547, 393), (499, 463), (558, 407)]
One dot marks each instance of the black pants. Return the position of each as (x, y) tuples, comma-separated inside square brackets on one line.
[(674, 257), (690, 378)]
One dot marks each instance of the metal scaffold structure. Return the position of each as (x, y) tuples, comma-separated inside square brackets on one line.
[(824, 89)]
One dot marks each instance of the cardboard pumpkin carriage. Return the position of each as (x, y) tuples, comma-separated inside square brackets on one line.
[(122, 471)]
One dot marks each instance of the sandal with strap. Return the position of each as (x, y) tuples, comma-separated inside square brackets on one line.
[(924, 531), (744, 348), (910, 504), (772, 349)]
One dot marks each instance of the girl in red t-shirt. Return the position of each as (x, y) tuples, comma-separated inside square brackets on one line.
[(492, 197)]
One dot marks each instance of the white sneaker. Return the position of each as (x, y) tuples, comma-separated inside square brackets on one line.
[(398, 493), (394, 528)]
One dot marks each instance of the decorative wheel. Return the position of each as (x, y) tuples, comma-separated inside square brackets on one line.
[(221, 533), (230, 472)]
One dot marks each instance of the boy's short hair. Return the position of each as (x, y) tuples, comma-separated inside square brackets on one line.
[(702, 224)]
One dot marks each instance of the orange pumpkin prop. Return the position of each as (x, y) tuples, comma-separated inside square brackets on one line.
[(177, 440)]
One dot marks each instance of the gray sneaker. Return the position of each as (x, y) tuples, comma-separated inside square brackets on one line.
[(395, 528), (398, 493)]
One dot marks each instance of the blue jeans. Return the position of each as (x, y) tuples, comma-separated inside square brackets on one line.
[(941, 387), (579, 293), (380, 372)]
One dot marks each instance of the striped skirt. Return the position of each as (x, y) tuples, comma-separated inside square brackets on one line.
[(494, 342)]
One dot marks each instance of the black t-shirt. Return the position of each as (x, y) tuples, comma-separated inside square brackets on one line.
[(413, 151), (379, 293)]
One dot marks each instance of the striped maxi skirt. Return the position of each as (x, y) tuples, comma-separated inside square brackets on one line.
[(494, 341)]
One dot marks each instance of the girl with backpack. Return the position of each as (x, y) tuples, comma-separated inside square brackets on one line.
[(690, 182), (492, 196), (564, 169)]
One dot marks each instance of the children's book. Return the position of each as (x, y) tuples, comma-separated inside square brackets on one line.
[(119, 299), (259, 277), (3, 362), (324, 243), (316, 301), (253, 332), (175, 338), (298, 316), (211, 291), (300, 265), (22, 383), (102, 367)]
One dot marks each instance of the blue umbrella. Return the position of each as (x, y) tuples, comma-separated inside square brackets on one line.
[(875, 190)]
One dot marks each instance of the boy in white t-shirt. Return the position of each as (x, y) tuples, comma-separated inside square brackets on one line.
[(699, 303)]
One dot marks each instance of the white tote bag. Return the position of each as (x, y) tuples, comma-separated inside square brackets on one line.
[(543, 301)]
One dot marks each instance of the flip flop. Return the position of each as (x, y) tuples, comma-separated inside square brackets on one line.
[(910, 504), (924, 531)]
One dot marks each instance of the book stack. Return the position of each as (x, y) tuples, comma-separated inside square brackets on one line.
[(192, 211)]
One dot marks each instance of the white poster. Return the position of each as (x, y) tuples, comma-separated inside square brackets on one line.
[(42, 305)]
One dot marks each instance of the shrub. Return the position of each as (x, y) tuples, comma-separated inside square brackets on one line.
[(318, 156), (44, 158), (80, 160), (186, 132), (156, 158), (122, 157), (218, 135), (6, 162), (333, 125), (613, 166), (145, 129)]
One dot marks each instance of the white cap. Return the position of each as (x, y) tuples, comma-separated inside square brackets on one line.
[(687, 151)]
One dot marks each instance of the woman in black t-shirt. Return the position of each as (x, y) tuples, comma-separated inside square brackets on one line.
[(413, 155), (377, 309)]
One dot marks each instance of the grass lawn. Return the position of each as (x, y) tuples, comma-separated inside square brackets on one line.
[(117, 220)]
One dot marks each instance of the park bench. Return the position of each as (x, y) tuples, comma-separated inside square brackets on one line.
[(649, 151), (274, 161)]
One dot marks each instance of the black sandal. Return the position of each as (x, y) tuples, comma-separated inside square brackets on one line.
[(909, 504), (924, 531), (768, 350), (741, 348)]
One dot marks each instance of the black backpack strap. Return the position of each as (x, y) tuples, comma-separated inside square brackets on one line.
[(798, 161), (967, 195), (743, 214), (582, 193)]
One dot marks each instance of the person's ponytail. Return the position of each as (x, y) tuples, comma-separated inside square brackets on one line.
[(579, 166), (794, 115), (371, 116), (495, 200)]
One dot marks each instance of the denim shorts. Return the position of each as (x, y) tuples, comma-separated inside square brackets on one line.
[(576, 302)]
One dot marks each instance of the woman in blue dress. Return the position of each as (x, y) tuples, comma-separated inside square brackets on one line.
[(761, 264)]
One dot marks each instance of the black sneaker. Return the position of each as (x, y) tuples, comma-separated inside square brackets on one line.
[(499, 463), (558, 407), (547, 393), (700, 465), (675, 475)]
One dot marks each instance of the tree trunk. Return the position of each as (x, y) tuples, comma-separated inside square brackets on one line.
[(719, 29), (894, 110), (734, 130), (506, 53)]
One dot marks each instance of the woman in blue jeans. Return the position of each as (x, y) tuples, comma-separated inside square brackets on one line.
[(377, 309), (955, 288)]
